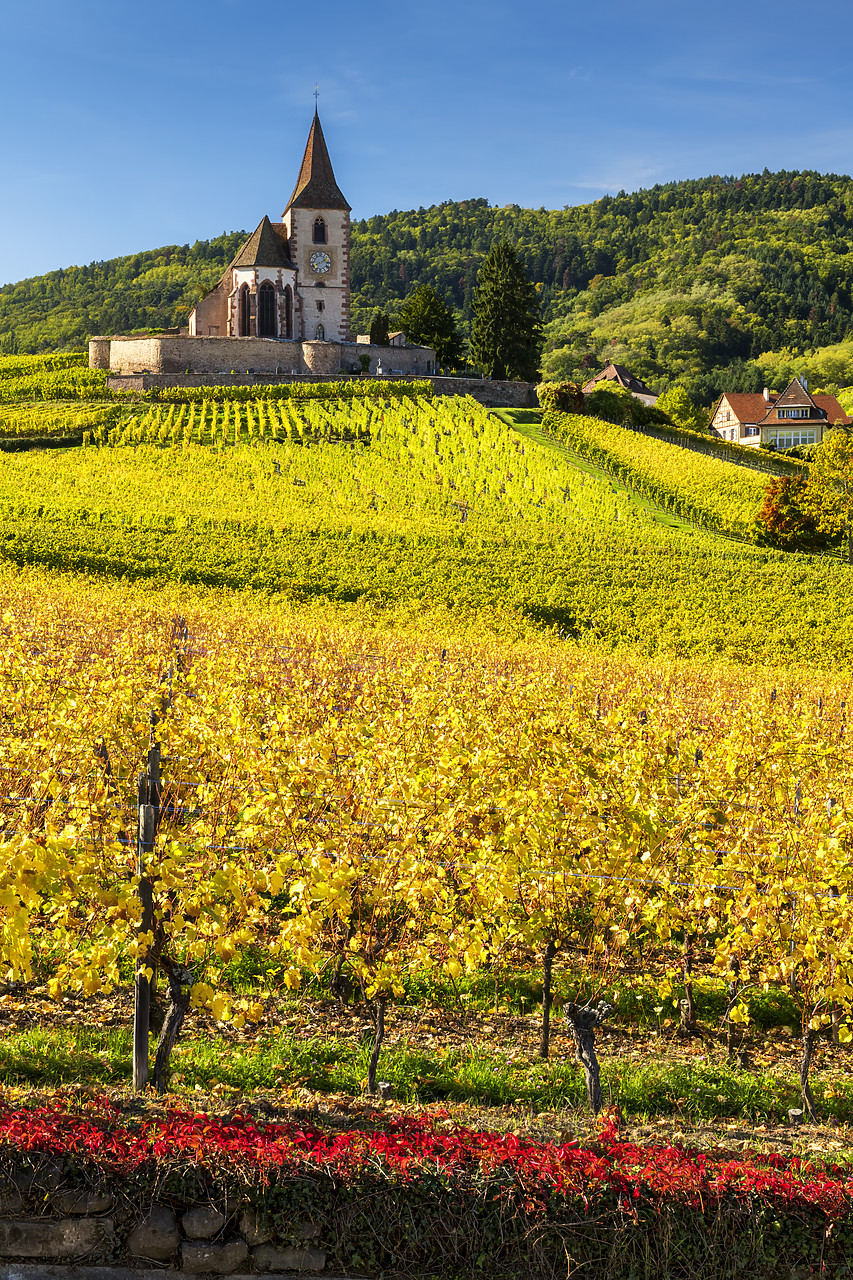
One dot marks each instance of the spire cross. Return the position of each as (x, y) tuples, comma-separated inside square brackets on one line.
[(316, 95)]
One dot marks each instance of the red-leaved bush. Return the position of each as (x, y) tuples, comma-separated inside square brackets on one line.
[(403, 1148)]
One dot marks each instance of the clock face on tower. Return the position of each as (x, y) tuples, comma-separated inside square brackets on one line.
[(320, 262)]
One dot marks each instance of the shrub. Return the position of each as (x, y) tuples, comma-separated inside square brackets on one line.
[(784, 520), (616, 404), (561, 397)]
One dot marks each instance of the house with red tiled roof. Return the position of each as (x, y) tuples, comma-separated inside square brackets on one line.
[(793, 418), (623, 378)]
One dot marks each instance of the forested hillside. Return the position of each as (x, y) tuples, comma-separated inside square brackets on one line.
[(694, 281)]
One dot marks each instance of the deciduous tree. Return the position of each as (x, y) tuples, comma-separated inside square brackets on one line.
[(562, 397), (785, 519), (830, 489), (680, 409)]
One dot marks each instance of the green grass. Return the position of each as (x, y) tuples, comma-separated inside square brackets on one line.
[(704, 1091), (634, 1000)]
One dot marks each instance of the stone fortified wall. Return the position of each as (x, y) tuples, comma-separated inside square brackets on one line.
[(224, 356)]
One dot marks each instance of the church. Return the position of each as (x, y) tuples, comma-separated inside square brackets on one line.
[(282, 307), (290, 280)]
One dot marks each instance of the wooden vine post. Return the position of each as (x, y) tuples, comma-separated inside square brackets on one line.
[(148, 800)]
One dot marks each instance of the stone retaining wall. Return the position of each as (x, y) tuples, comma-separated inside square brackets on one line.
[(494, 395), (205, 1239)]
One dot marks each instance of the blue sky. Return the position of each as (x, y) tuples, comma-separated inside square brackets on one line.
[(128, 126)]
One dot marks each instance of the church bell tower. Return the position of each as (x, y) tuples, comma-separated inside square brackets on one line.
[(317, 226)]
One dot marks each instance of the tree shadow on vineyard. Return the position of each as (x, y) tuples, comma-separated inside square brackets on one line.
[(559, 618)]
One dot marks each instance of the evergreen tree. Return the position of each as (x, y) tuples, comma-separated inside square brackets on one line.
[(506, 330), (425, 318), (379, 329)]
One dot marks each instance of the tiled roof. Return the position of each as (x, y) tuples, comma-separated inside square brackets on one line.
[(316, 187), (832, 409), (264, 248), (747, 406), (618, 373), (752, 407), (795, 394)]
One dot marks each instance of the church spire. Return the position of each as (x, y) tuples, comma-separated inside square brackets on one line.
[(316, 187)]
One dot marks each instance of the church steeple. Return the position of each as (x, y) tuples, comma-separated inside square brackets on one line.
[(316, 187)]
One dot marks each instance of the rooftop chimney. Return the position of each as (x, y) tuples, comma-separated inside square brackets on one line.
[(767, 394)]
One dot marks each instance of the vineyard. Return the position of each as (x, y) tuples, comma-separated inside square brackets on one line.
[(420, 504), (402, 754), (392, 817), (693, 484)]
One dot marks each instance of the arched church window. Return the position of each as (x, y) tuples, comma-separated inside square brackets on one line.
[(245, 312), (321, 333), (288, 312), (267, 327), (319, 231)]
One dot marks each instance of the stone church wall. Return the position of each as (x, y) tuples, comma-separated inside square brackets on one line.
[(210, 315), (212, 355)]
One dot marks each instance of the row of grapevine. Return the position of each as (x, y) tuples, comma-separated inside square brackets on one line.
[(691, 484), (232, 422), (26, 366), (420, 813), (64, 383), (61, 418), (354, 389)]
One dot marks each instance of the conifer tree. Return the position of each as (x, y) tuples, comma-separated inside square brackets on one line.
[(426, 318), (506, 330), (379, 336)]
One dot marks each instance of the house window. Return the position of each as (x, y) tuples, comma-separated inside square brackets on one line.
[(245, 312), (321, 333), (792, 413), (790, 439), (267, 327), (319, 231), (320, 306)]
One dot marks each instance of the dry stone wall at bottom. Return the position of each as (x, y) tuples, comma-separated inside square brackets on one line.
[(204, 1240)]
